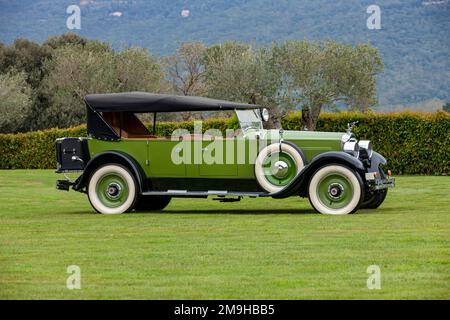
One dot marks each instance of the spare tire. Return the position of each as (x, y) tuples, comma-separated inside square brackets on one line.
[(277, 165)]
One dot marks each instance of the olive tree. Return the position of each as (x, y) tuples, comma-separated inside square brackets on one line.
[(239, 72), (324, 73), (185, 69), (76, 71), (15, 101), (68, 38), (137, 70), (24, 56)]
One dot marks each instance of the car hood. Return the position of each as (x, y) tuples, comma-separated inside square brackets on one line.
[(303, 135)]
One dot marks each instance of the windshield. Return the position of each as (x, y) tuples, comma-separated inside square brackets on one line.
[(249, 119)]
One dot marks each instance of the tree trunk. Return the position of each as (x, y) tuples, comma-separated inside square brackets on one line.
[(273, 123), (310, 115), (275, 115), (185, 116)]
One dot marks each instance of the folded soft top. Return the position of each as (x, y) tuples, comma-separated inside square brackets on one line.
[(140, 102)]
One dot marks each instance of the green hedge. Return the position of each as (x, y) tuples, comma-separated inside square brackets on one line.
[(413, 143)]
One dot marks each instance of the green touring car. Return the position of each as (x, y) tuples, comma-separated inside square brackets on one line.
[(125, 166)]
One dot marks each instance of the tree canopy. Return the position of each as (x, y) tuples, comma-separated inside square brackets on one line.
[(325, 73), (281, 77), (15, 101)]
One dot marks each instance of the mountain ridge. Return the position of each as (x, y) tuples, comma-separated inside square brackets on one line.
[(414, 39)]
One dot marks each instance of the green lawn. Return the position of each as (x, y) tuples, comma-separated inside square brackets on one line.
[(202, 249)]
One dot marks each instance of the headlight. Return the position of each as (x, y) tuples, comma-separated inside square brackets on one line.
[(351, 147), (265, 114), (366, 149), (345, 137)]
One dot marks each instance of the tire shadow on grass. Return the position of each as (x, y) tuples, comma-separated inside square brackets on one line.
[(239, 211), (305, 211), (204, 211), (236, 211), (379, 211)]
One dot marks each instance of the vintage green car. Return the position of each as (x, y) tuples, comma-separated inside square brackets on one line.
[(126, 167)]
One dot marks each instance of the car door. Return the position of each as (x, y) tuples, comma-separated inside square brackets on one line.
[(218, 157), (161, 159)]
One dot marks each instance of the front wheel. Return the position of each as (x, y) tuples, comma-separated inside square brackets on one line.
[(112, 189), (374, 199), (335, 189)]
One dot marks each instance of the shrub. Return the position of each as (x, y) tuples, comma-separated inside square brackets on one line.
[(413, 143)]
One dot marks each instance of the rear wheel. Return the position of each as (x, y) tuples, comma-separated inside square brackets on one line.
[(112, 189), (335, 189), (374, 199), (152, 203)]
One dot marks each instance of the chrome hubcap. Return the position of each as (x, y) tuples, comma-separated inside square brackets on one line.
[(336, 191), (280, 169), (113, 190)]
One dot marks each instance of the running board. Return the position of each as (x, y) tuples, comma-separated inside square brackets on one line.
[(204, 194)]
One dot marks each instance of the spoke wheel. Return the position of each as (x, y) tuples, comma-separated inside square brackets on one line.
[(112, 189), (335, 189)]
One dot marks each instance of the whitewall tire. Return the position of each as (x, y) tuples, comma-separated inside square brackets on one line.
[(112, 189), (277, 165), (335, 189)]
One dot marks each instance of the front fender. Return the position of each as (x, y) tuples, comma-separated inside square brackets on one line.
[(299, 184), (111, 157), (375, 162)]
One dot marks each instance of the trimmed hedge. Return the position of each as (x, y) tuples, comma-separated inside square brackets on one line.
[(413, 143)]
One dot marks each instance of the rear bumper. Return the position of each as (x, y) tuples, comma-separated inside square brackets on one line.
[(63, 185), (67, 183)]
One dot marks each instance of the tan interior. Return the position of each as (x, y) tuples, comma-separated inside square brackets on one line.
[(133, 128)]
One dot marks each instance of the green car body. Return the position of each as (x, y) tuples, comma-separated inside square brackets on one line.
[(124, 167), (158, 152)]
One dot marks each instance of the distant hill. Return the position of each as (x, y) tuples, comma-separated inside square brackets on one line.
[(414, 39)]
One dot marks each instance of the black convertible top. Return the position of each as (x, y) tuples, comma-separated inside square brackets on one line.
[(140, 102)]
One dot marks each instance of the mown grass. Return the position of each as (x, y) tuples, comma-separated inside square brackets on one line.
[(202, 249)]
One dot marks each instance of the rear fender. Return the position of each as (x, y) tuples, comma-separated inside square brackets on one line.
[(112, 157)]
